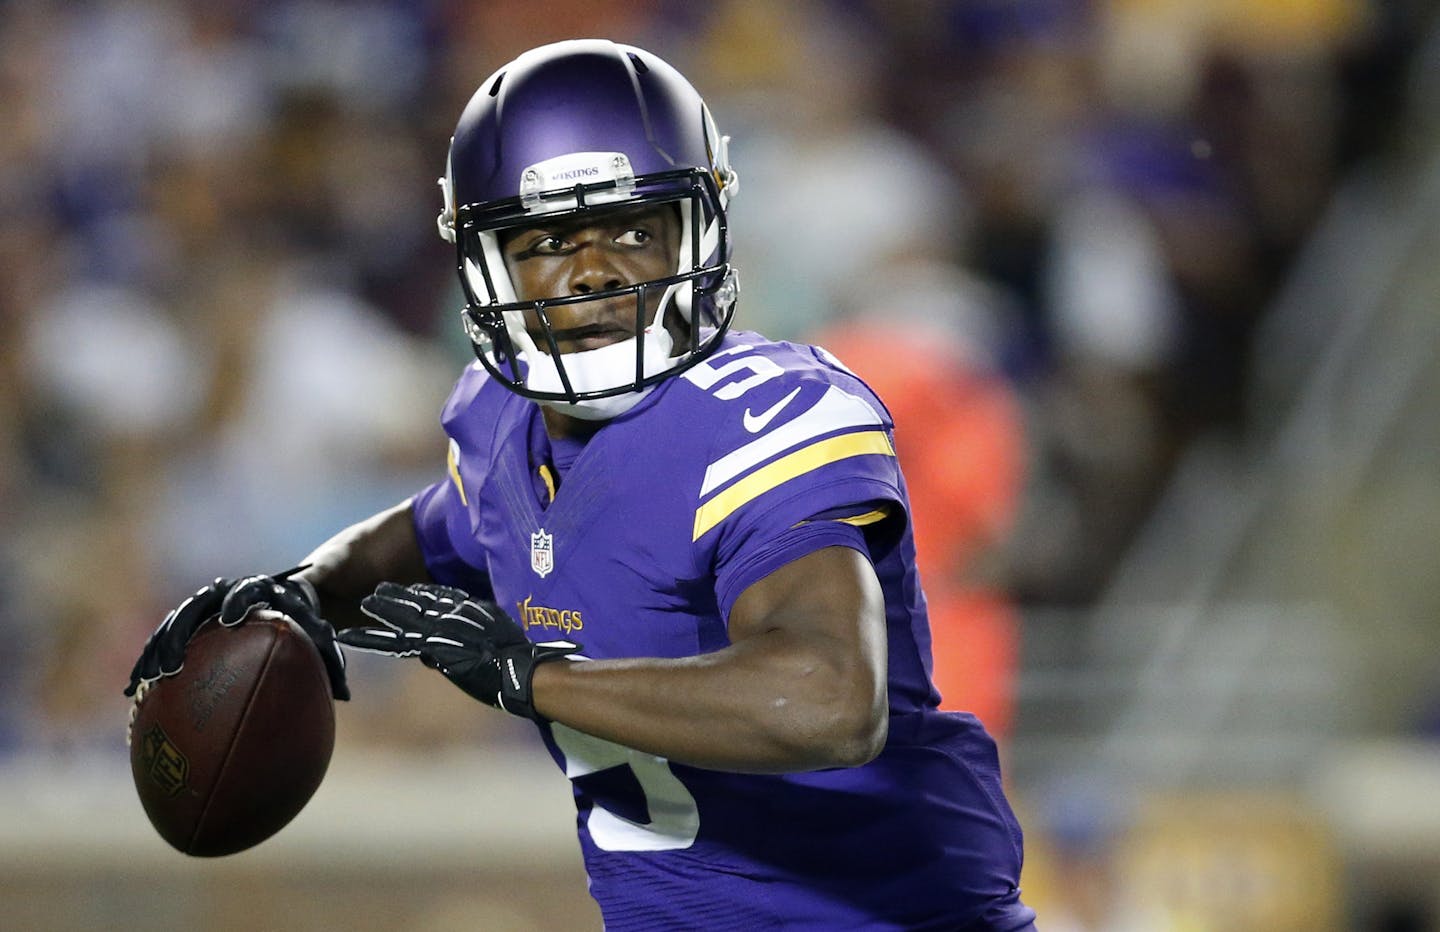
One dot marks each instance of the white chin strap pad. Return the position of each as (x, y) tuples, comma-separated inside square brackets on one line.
[(598, 370)]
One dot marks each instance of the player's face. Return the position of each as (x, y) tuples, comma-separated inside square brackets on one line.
[(579, 256)]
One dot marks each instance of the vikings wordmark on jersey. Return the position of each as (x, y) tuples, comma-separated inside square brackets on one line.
[(761, 453)]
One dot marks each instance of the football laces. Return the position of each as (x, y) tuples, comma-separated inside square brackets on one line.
[(140, 692)]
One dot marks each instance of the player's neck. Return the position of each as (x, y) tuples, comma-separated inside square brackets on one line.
[(565, 426)]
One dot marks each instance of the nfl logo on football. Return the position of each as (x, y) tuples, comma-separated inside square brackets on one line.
[(542, 553)]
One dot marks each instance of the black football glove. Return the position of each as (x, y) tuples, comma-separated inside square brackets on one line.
[(475, 644), (232, 600), (164, 651)]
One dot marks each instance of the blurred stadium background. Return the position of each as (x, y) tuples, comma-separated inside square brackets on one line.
[(1151, 285)]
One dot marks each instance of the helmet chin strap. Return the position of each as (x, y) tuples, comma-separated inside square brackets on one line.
[(599, 369)]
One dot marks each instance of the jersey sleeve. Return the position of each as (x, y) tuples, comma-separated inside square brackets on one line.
[(754, 563), (442, 529), (442, 511), (826, 476)]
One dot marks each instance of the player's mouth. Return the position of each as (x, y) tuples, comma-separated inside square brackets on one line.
[(590, 336)]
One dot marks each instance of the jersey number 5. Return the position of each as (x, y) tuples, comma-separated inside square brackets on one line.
[(711, 372), (674, 820)]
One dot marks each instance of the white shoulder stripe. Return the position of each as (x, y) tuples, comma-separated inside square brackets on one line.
[(836, 410)]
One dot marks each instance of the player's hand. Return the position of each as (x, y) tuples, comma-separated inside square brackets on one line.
[(475, 644), (164, 652), (232, 599), (296, 599)]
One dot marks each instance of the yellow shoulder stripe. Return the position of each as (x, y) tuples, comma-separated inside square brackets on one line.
[(786, 468), (869, 517)]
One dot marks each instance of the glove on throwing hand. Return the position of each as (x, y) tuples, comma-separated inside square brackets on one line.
[(232, 600), (475, 644)]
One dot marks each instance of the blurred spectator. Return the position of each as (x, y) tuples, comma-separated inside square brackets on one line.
[(313, 419), (831, 194), (924, 337)]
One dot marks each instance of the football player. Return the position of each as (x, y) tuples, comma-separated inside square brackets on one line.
[(682, 550)]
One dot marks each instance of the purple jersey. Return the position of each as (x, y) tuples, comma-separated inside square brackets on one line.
[(763, 453)]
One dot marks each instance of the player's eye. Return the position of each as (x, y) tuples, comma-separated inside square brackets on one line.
[(638, 236), (547, 245)]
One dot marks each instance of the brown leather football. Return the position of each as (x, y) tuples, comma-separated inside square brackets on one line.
[(230, 749)]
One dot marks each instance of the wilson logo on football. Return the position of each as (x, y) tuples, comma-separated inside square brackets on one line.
[(542, 553)]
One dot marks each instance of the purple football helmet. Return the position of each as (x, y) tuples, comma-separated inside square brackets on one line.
[(575, 127)]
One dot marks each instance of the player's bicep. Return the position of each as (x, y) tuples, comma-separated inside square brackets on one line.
[(827, 602)]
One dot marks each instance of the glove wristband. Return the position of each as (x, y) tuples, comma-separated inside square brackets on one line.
[(517, 671)]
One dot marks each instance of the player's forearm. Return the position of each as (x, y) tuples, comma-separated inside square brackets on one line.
[(349, 566), (772, 704)]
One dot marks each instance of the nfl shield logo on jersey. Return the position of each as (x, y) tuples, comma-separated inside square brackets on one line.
[(542, 553)]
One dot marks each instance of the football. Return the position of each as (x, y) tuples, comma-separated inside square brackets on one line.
[(230, 749)]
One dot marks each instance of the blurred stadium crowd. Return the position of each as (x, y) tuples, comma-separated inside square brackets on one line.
[(1045, 229)]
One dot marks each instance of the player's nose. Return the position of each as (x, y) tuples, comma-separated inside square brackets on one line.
[(593, 269)]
